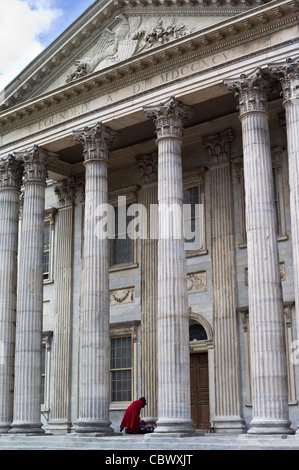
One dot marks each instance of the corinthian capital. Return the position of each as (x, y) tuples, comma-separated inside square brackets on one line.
[(288, 74), (218, 146), (66, 191), (169, 118), (11, 172), (36, 163), (251, 91), (96, 142)]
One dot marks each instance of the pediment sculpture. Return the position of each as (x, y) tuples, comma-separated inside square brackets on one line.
[(129, 37)]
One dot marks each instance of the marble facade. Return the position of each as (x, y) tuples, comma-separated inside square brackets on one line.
[(145, 101)]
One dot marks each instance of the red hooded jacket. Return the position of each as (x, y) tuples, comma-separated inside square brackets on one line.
[(131, 418)]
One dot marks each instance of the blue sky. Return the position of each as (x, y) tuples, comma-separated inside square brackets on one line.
[(27, 27)]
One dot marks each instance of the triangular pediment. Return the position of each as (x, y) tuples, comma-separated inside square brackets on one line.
[(112, 32)]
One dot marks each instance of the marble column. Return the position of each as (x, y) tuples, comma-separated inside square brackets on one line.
[(148, 196), (267, 338), (28, 351), (60, 422), (174, 410), (10, 184), (94, 384), (227, 368), (288, 74)]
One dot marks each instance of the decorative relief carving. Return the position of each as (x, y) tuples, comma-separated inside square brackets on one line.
[(169, 117), (11, 172), (197, 282), (148, 164), (251, 91), (130, 36), (96, 142), (122, 296), (288, 74), (218, 146)]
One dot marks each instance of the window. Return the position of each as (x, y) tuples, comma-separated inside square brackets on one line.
[(45, 370), (49, 245), (121, 248), (194, 212), (46, 271), (197, 332), (121, 369)]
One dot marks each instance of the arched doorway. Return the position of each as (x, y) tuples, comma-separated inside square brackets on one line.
[(199, 375)]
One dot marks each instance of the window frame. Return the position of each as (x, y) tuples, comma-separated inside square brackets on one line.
[(46, 343), (196, 178), (50, 220), (120, 330), (130, 195)]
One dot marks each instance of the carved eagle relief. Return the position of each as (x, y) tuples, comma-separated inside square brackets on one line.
[(127, 38)]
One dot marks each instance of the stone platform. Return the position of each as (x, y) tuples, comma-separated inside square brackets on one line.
[(141, 443)]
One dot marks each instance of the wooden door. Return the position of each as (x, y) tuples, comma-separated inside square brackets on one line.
[(200, 410)]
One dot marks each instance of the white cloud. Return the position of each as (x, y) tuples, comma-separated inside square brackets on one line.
[(21, 23)]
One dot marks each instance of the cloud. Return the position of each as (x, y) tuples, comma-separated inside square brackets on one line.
[(23, 22)]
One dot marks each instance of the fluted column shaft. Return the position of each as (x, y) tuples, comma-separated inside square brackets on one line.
[(267, 345), (27, 392), (10, 183), (227, 376), (60, 409), (149, 256), (174, 410), (94, 339), (288, 73)]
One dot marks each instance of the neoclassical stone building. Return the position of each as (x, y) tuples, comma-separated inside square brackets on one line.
[(166, 103)]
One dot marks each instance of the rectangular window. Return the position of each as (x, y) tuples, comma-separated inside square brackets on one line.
[(122, 247), (191, 197), (47, 243), (43, 373), (121, 369)]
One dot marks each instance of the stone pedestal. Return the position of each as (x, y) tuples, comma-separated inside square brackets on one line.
[(227, 377), (10, 183), (174, 410), (266, 318), (28, 352), (94, 381)]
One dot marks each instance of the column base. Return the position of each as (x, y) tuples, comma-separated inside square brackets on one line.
[(5, 428), (95, 427), (270, 427), (27, 428), (59, 427), (229, 426), (174, 426)]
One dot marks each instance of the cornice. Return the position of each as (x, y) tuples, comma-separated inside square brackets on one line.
[(255, 23)]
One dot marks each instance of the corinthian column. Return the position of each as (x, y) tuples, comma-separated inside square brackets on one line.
[(94, 340), (60, 410), (28, 352), (10, 183), (148, 196), (288, 73), (227, 376), (266, 319), (174, 411)]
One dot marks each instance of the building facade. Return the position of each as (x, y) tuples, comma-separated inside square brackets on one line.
[(149, 239)]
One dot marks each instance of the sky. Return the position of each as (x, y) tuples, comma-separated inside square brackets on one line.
[(27, 27)]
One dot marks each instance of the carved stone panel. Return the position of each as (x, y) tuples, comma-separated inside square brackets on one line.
[(197, 282)]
